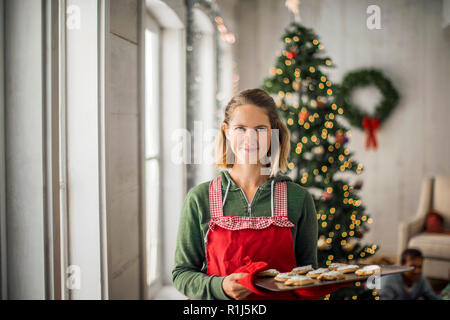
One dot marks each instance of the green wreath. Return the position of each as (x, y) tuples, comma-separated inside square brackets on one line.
[(362, 78)]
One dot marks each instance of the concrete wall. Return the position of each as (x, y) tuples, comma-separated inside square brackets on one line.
[(446, 14), (412, 50), (122, 152)]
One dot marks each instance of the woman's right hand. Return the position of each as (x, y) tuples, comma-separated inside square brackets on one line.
[(232, 288)]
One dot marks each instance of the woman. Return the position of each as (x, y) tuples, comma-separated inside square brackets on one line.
[(250, 217)]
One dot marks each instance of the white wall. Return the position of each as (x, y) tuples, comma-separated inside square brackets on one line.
[(83, 151), (24, 150), (414, 53)]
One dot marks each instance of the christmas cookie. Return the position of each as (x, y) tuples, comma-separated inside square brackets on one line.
[(284, 276), (303, 269), (349, 268), (268, 273), (331, 275), (315, 273), (368, 270), (334, 266), (298, 281)]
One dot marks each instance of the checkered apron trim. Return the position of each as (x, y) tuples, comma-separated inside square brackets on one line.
[(280, 217)]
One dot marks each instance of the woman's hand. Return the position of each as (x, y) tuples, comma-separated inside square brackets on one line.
[(232, 288)]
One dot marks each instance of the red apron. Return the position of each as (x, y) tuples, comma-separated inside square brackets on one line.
[(233, 242)]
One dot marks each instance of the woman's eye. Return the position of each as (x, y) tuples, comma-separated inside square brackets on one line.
[(261, 129), (240, 129)]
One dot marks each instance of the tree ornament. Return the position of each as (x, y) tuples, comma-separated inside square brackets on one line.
[(322, 244), (331, 139), (293, 6), (308, 155), (349, 246), (359, 232), (318, 150), (303, 115), (358, 185), (297, 84), (291, 54), (320, 104), (340, 137), (326, 195)]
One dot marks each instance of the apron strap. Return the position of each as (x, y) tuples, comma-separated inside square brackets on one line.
[(280, 199), (215, 198)]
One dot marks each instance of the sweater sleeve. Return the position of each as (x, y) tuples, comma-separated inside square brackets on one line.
[(187, 276), (389, 288), (428, 292), (307, 234)]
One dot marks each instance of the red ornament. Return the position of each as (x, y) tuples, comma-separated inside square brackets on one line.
[(358, 185), (340, 138), (304, 115), (326, 195), (320, 104), (291, 54), (370, 125)]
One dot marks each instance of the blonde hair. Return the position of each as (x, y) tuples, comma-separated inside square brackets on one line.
[(260, 98)]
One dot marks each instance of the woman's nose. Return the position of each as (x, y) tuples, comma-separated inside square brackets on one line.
[(250, 136), (250, 133)]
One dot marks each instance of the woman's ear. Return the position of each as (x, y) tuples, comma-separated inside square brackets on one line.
[(225, 129)]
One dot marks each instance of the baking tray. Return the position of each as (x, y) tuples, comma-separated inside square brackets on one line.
[(272, 285)]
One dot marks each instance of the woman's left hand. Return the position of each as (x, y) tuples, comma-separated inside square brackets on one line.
[(233, 289)]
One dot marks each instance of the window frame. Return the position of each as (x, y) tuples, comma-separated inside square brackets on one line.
[(151, 286)]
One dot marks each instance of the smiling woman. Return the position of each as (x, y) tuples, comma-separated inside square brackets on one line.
[(249, 218), (254, 126), (248, 133)]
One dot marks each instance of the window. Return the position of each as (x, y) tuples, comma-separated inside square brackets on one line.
[(203, 103), (152, 148), (163, 107)]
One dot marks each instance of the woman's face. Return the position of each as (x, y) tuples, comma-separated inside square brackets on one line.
[(248, 134)]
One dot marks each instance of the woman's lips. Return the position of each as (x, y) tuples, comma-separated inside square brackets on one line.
[(248, 149)]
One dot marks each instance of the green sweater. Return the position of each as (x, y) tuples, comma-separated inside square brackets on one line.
[(189, 272)]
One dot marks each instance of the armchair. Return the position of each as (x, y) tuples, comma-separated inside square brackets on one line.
[(435, 247)]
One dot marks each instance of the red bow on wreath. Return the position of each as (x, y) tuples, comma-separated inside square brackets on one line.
[(370, 125)]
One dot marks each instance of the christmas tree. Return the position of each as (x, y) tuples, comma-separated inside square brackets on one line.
[(319, 158)]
